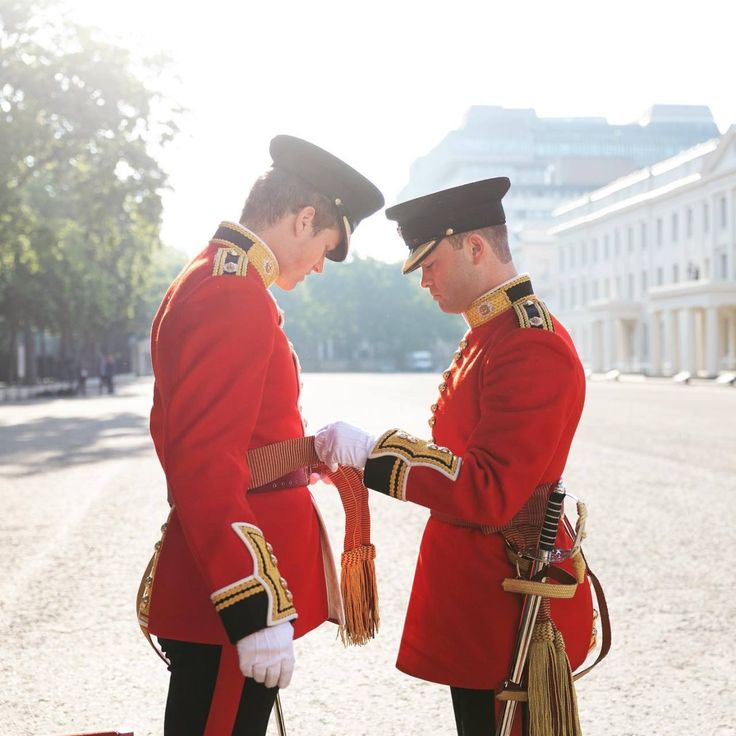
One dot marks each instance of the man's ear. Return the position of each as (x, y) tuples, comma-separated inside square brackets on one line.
[(304, 221), (474, 246)]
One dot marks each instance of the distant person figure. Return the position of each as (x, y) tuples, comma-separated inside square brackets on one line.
[(109, 373), (82, 382)]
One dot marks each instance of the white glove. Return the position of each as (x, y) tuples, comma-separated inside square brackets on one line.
[(341, 443), (267, 656)]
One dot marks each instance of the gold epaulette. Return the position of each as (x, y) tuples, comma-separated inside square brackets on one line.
[(534, 313), (230, 261), (239, 249)]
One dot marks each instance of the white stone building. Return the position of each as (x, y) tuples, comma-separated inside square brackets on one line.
[(646, 270)]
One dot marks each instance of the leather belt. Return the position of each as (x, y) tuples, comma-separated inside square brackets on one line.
[(295, 479)]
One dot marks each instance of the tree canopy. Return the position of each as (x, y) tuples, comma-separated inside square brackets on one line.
[(80, 188), (366, 315)]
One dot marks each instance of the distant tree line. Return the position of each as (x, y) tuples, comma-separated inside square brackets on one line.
[(80, 190), (366, 316)]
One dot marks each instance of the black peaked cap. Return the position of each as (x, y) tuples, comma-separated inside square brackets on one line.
[(425, 221), (354, 196)]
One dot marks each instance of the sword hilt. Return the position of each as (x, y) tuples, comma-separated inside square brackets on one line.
[(551, 524)]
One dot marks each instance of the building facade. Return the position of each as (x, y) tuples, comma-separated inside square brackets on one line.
[(646, 266), (553, 160)]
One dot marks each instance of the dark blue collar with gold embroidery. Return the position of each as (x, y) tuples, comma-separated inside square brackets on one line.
[(499, 300)]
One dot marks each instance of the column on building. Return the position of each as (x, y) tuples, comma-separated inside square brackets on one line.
[(596, 342), (712, 342), (688, 353), (670, 358), (730, 357), (610, 343), (623, 356), (655, 343)]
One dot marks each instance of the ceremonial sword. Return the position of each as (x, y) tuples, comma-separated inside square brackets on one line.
[(530, 607), (280, 723)]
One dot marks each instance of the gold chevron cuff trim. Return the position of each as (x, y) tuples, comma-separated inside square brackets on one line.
[(411, 452), (245, 588), (265, 577)]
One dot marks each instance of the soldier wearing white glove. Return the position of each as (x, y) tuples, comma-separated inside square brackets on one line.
[(267, 656), (341, 443)]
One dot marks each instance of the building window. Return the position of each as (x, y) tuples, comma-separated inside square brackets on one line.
[(724, 266), (573, 300), (706, 268), (583, 293), (659, 231), (643, 235), (606, 248), (572, 256), (706, 217), (594, 251), (631, 286), (675, 273), (616, 243), (607, 288), (595, 289), (583, 254), (674, 228), (660, 276), (630, 238), (689, 223), (618, 293), (644, 282), (724, 212)]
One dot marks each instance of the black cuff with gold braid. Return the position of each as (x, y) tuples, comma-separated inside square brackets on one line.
[(260, 600), (396, 453)]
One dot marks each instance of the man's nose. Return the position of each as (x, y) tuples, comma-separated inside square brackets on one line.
[(425, 280)]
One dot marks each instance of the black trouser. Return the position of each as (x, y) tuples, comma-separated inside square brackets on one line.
[(192, 684), (474, 711)]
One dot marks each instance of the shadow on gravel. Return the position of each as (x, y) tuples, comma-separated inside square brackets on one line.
[(47, 443)]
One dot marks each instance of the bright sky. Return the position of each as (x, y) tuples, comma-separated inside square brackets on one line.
[(381, 83)]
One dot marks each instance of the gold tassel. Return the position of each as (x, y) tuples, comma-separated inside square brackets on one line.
[(579, 566), (359, 594), (553, 707)]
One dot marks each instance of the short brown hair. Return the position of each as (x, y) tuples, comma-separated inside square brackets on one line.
[(278, 193), (497, 237)]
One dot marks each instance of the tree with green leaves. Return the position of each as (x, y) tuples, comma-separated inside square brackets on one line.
[(80, 188), (366, 316)]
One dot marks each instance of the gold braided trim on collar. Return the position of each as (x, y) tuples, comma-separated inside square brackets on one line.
[(259, 254), (494, 302)]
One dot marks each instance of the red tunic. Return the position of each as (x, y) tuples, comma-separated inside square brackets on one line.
[(226, 381), (507, 410)]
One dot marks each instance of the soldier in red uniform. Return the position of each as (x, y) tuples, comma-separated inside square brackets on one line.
[(226, 381), (502, 425)]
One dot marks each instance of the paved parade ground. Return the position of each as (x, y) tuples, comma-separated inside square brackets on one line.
[(83, 498)]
